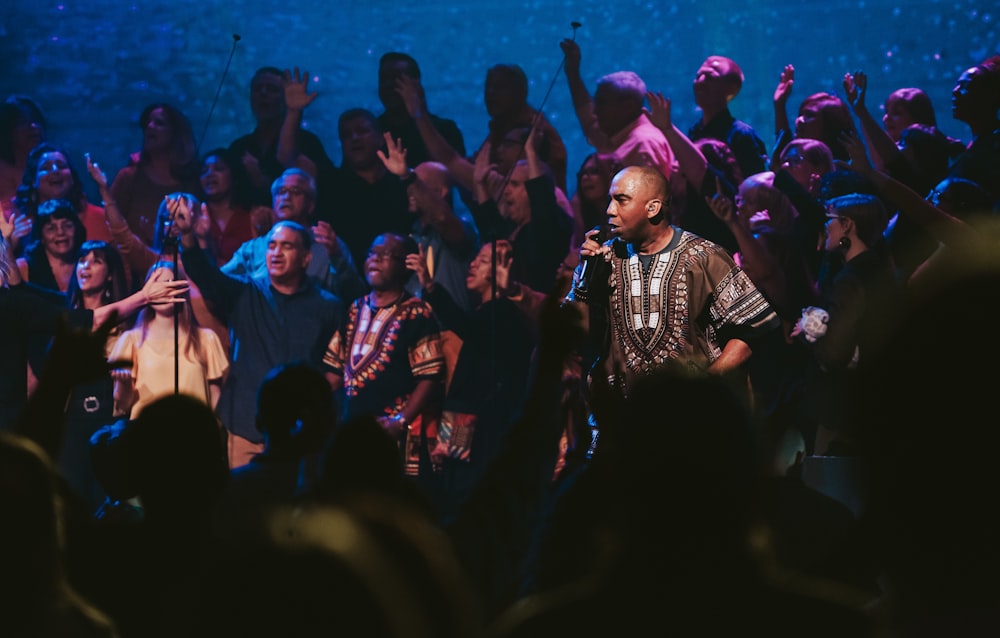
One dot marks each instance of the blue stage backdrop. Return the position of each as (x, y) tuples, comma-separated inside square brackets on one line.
[(94, 65)]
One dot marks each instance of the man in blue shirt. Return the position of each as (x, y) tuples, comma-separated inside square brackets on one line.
[(274, 317)]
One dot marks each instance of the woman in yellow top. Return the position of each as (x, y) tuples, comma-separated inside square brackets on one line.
[(149, 345)]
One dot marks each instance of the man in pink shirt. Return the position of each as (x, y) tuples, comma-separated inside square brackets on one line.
[(613, 120)]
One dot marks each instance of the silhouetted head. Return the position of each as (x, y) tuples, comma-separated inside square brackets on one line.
[(167, 131), (391, 66), (825, 117), (717, 81), (618, 100), (905, 107), (505, 91), (295, 408), (22, 127), (267, 94), (360, 139)]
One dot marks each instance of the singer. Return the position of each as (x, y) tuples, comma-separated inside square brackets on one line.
[(668, 293)]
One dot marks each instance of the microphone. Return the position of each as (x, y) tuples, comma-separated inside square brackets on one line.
[(589, 267), (236, 37)]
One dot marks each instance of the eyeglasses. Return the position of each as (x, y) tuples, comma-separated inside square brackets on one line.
[(794, 159), (293, 192), (380, 254)]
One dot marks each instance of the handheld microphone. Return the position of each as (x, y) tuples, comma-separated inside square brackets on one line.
[(590, 266)]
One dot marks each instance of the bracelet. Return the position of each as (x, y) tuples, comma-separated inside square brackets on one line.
[(410, 178)]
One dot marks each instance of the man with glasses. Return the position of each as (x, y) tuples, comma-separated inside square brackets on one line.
[(332, 267)]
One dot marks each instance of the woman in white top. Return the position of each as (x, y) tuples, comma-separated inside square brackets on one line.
[(150, 347)]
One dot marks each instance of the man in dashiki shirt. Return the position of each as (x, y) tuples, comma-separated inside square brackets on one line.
[(668, 294), (388, 357)]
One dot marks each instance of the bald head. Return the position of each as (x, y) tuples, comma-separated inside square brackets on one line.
[(436, 176), (650, 180)]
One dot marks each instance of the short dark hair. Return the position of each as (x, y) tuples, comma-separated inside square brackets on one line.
[(397, 56), (515, 72), (868, 212), (266, 70), (356, 113), (302, 231), (58, 209)]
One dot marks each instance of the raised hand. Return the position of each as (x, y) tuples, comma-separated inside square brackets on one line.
[(659, 111), (96, 173), (571, 50), (181, 214), (721, 205), (297, 96), (533, 143), (14, 229), (202, 223), (324, 235), (252, 164), (412, 93), (482, 167), (6, 226), (505, 259), (417, 262), (785, 83), (395, 160), (856, 152), (856, 86)]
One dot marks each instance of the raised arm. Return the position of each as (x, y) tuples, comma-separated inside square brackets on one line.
[(583, 103), (690, 160), (217, 288), (159, 288), (297, 98), (782, 129), (943, 227), (883, 150), (431, 207), (136, 254), (437, 146)]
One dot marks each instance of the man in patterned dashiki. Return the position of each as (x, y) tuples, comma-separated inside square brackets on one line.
[(388, 357), (668, 294)]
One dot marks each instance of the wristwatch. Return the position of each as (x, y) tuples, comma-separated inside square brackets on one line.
[(409, 178)]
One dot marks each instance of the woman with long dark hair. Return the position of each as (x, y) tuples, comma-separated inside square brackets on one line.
[(98, 280), (167, 163)]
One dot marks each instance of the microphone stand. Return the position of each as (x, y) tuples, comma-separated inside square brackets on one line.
[(171, 247), (503, 186)]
